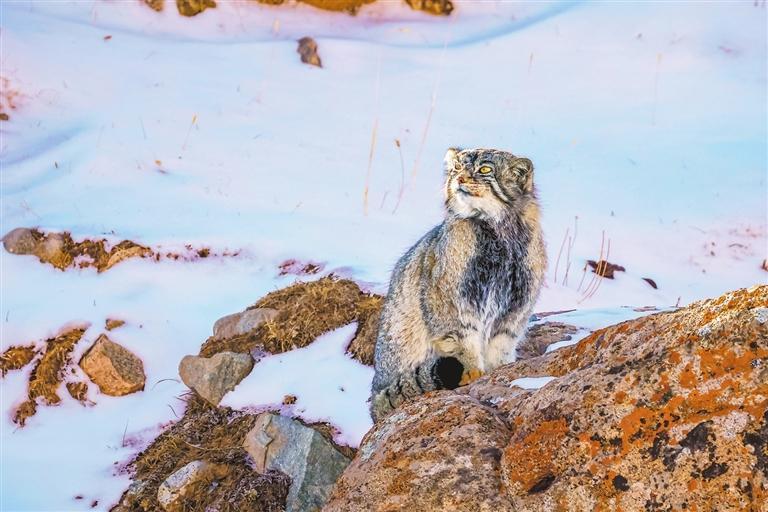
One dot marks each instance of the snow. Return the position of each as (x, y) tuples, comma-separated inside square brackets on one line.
[(646, 123), (532, 382), (329, 384)]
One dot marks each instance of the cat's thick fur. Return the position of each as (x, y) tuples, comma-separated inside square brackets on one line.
[(459, 300)]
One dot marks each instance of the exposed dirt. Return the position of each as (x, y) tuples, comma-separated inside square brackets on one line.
[(214, 435), (308, 51), (306, 311), (16, 358), (48, 374), (605, 268), (299, 268)]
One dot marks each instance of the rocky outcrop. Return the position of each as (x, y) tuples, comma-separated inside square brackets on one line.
[(312, 462), (241, 323), (667, 412), (213, 377), (175, 490), (113, 368)]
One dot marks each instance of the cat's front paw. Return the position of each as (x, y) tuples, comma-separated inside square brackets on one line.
[(470, 375)]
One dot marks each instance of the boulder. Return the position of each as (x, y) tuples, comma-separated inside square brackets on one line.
[(669, 411), (242, 323), (113, 368), (213, 377), (22, 241), (442, 453), (187, 481), (313, 463)]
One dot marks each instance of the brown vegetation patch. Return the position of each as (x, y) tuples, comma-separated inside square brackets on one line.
[(16, 358), (213, 435), (78, 391), (306, 311), (437, 7), (48, 374), (193, 7)]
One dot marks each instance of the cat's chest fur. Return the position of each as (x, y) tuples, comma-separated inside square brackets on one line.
[(497, 278)]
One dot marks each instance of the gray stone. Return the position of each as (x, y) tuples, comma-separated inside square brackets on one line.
[(213, 377), (242, 323), (21, 241), (174, 489), (313, 463)]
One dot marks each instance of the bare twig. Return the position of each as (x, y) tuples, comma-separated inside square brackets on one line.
[(560, 252), (373, 138)]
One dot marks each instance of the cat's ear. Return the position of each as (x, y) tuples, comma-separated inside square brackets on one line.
[(523, 170), (450, 162)]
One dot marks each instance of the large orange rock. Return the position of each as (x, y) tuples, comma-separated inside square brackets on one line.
[(113, 368), (667, 412)]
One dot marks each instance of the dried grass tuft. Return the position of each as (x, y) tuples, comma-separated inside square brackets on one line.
[(16, 358), (48, 374), (306, 311)]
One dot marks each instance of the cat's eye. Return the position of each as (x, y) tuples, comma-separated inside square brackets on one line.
[(485, 169)]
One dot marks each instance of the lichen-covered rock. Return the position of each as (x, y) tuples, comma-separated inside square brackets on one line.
[(182, 483), (241, 323), (439, 453), (666, 412), (113, 368), (540, 336), (214, 377), (313, 463)]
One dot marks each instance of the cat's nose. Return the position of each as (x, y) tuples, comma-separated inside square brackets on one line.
[(462, 180)]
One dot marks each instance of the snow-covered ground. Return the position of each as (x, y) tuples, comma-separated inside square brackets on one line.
[(646, 123)]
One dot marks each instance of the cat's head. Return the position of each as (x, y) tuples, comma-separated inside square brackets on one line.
[(486, 183)]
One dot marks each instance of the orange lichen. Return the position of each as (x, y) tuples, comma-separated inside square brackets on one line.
[(533, 458)]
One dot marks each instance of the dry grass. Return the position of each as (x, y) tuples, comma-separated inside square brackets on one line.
[(16, 358), (213, 435), (78, 391), (48, 374), (306, 311)]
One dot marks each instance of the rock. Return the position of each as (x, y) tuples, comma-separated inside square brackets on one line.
[(113, 368), (667, 411), (441, 452), (308, 51), (214, 377), (283, 444), (22, 241), (541, 336), (605, 268), (193, 7), (242, 323), (184, 482), (155, 4)]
